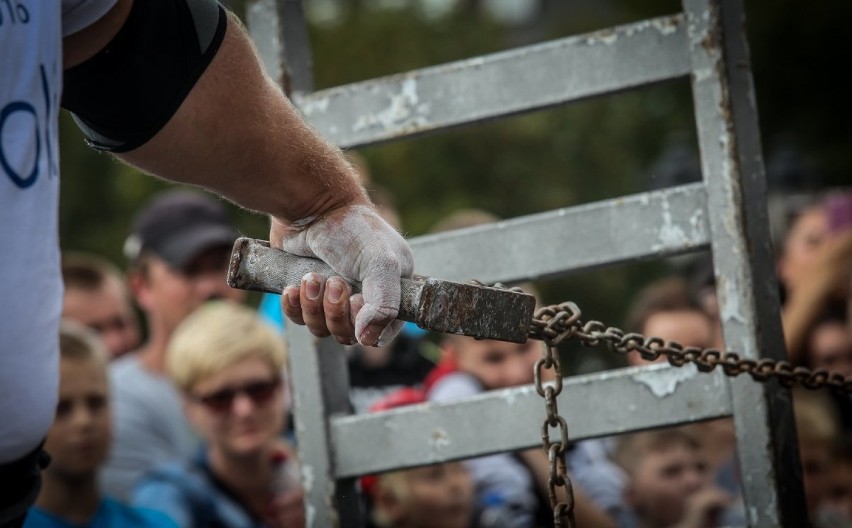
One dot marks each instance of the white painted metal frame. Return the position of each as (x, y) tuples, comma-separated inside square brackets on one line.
[(726, 212)]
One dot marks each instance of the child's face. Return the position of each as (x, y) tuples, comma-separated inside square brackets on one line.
[(839, 496), (662, 482), (439, 496), (496, 364), (79, 439)]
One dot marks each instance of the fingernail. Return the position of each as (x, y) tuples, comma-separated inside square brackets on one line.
[(312, 290), (370, 335), (292, 295), (334, 291)]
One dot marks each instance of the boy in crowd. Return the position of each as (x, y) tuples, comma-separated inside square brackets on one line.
[(667, 481), (663, 309), (438, 496), (78, 443), (837, 506), (178, 252), (515, 482), (96, 296)]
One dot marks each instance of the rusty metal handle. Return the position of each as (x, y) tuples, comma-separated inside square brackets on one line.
[(433, 304), (257, 266)]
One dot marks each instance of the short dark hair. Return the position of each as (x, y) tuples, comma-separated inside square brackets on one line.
[(84, 271), (632, 448), (671, 294)]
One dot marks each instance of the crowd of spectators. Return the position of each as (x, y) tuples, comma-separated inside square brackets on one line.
[(190, 426)]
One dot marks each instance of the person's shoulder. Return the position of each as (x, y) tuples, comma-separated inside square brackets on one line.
[(128, 375), (172, 474), (38, 518), (128, 379), (182, 479), (118, 514), (124, 366)]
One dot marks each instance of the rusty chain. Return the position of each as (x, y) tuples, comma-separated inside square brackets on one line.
[(557, 323), (555, 450), (546, 317)]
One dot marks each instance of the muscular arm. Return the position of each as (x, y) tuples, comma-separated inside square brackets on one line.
[(236, 121), (238, 135)]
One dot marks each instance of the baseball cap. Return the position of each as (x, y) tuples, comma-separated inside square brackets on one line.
[(178, 226)]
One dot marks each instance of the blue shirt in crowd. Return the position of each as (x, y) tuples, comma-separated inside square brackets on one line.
[(191, 495), (110, 514)]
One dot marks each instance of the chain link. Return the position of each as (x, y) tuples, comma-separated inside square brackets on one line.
[(556, 450), (556, 323)]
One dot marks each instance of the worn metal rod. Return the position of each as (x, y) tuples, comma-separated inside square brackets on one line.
[(433, 304)]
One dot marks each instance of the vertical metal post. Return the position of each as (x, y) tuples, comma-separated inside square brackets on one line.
[(731, 161), (280, 32), (320, 391), (318, 368)]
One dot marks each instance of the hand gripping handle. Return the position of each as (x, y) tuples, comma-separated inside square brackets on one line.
[(437, 305)]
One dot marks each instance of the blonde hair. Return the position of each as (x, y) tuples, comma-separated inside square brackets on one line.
[(216, 336), (79, 343), (394, 483)]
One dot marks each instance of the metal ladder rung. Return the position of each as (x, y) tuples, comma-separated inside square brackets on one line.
[(521, 80), (650, 396), (545, 245), (727, 211)]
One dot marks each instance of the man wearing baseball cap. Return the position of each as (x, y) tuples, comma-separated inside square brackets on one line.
[(178, 252)]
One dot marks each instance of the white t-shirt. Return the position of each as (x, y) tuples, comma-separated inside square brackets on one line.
[(30, 281)]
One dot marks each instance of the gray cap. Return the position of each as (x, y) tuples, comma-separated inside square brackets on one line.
[(178, 226)]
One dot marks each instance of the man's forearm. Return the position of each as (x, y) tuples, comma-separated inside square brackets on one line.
[(205, 113), (237, 134)]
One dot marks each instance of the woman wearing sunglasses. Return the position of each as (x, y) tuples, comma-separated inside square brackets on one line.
[(229, 366)]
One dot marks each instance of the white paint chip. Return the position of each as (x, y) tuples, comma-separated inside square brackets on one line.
[(664, 382)]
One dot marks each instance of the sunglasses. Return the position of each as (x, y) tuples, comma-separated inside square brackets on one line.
[(221, 401)]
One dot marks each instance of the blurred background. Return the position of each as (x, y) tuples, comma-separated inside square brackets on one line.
[(592, 150)]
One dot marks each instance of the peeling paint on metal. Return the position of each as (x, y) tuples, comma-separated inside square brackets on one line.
[(439, 439), (670, 234), (307, 477), (310, 514), (697, 224), (753, 517), (391, 425), (509, 396), (702, 74), (663, 383), (404, 111), (664, 26), (312, 105), (605, 37), (730, 310)]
